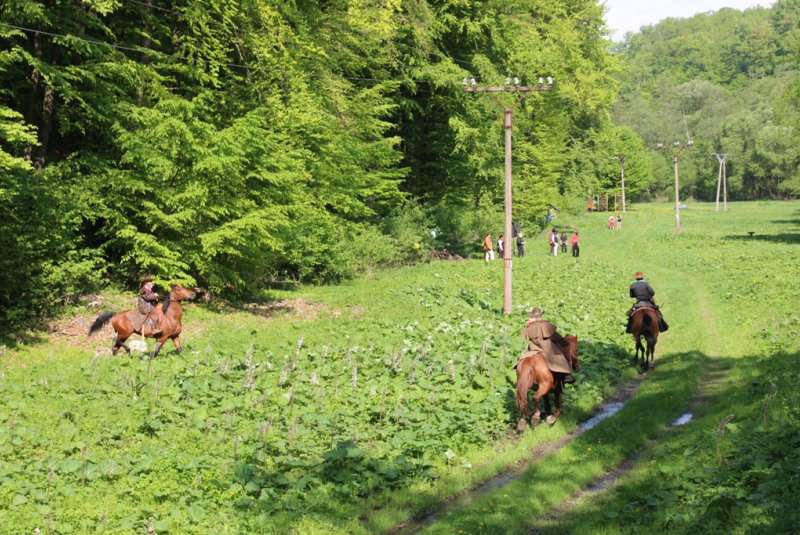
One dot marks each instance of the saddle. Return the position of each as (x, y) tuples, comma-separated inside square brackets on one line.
[(642, 304)]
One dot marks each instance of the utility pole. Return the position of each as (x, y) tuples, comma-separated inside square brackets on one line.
[(621, 159), (470, 85), (677, 146), (721, 157), (725, 182)]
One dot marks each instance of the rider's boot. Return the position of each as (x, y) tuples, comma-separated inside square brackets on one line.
[(629, 328), (569, 379)]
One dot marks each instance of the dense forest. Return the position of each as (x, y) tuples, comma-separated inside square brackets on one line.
[(726, 80), (228, 144)]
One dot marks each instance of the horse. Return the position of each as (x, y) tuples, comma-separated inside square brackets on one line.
[(645, 323), (124, 322), (534, 371)]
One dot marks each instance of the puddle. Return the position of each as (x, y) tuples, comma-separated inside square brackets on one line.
[(683, 419), (606, 411), (465, 500)]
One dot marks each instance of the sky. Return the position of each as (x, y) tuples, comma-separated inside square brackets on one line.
[(629, 15)]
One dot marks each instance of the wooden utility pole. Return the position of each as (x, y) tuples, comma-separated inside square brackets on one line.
[(677, 146), (721, 157), (725, 183), (469, 85), (621, 159)]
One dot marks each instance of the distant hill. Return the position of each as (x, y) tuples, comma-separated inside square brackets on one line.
[(727, 81)]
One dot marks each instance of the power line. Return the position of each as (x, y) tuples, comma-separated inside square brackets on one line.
[(232, 65)]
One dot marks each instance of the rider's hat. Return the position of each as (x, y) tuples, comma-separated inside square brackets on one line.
[(536, 312), (638, 275), (147, 279)]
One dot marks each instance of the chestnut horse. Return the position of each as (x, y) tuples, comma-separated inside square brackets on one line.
[(534, 371), (645, 323), (124, 322)]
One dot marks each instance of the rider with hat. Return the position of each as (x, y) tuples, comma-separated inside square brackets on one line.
[(147, 304), (543, 338), (643, 293)]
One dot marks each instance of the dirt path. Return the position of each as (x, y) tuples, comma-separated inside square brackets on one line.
[(433, 514), (707, 389)]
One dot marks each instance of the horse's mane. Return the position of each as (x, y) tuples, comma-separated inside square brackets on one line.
[(165, 305)]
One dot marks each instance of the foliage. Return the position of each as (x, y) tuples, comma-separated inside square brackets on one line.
[(243, 431), (226, 143), (727, 81)]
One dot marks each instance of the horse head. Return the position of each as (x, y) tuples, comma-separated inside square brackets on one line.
[(179, 293), (572, 352)]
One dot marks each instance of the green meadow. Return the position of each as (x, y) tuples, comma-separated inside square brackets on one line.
[(354, 408)]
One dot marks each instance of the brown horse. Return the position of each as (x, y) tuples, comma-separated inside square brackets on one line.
[(645, 323), (124, 322), (534, 371)]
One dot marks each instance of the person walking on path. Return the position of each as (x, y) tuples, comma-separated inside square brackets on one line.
[(619, 221), (611, 222), (501, 244), (590, 204), (520, 246), (488, 248), (576, 251), (563, 241), (554, 242)]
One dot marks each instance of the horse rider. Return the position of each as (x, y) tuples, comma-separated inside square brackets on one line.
[(643, 293), (543, 338), (147, 304)]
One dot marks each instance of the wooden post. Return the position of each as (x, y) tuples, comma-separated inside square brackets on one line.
[(677, 197), (719, 183), (679, 147), (725, 183), (507, 125)]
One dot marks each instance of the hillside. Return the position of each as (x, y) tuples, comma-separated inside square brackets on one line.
[(727, 81)]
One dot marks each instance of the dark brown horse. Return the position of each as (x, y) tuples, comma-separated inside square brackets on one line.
[(645, 323), (534, 371), (125, 322)]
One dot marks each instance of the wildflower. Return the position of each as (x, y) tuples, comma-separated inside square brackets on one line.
[(284, 375), (314, 380), (372, 392), (354, 379)]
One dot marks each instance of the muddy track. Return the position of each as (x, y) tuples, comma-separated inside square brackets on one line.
[(706, 391), (512, 472)]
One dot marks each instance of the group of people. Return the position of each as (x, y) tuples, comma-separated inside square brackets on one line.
[(488, 247), (554, 243), (618, 222)]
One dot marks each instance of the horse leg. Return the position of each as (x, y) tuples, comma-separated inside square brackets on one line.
[(159, 345), (541, 392), (552, 419), (547, 408), (524, 383), (177, 343), (651, 349)]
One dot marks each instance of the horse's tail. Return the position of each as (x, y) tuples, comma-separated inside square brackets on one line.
[(647, 327), (100, 322), (525, 378)]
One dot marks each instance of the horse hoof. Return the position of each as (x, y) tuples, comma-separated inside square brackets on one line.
[(552, 419), (521, 424), (652, 367), (535, 419)]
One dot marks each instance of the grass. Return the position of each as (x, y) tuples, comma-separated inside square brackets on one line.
[(720, 302)]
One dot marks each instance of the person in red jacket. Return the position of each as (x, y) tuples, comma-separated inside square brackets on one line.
[(576, 251)]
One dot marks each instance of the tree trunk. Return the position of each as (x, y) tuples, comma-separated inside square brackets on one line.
[(145, 43), (37, 51), (48, 105)]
